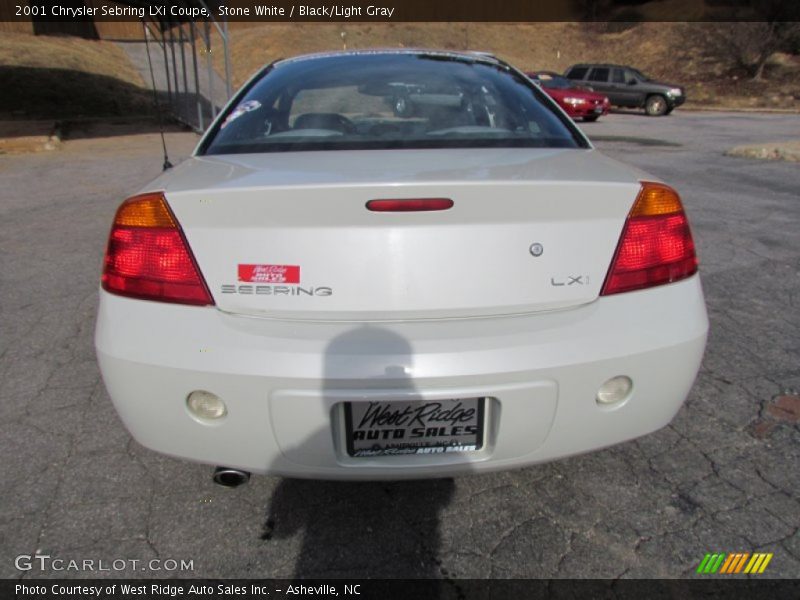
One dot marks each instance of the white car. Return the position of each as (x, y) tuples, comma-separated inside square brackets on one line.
[(397, 264)]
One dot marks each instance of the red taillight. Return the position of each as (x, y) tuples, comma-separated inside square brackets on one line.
[(656, 246), (148, 257), (410, 205)]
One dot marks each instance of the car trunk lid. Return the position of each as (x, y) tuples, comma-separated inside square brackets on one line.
[(290, 235)]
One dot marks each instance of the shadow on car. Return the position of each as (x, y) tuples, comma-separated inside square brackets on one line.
[(387, 529)]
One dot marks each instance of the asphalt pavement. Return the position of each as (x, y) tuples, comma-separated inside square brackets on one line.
[(723, 477)]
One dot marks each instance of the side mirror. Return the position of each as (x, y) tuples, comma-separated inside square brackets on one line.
[(631, 82)]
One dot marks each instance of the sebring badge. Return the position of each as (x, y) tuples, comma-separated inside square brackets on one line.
[(276, 290)]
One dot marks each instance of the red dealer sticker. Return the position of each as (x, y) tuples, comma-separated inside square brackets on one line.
[(269, 273)]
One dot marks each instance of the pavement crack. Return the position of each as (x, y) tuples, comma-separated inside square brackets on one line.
[(148, 537), (568, 550)]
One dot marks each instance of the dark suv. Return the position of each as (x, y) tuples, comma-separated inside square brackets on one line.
[(625, 86)]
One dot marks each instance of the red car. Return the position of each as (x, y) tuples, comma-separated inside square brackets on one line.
[(577, 102)]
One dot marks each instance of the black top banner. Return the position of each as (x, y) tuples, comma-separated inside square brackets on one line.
[(401, 10)]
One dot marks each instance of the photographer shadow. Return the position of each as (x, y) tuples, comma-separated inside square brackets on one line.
[(384, 529)]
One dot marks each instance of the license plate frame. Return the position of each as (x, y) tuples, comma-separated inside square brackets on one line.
[(437, 418)]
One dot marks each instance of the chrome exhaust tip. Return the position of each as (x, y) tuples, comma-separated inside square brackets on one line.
[(230, 477)]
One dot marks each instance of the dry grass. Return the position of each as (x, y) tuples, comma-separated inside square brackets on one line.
[(63, 76), (669, 51), (67, 77), (547, 45), (68, 53)]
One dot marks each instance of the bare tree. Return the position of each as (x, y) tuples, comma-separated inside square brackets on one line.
[(763, 27), (748, 45)]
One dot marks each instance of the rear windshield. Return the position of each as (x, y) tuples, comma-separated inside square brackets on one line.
[(389, 101), (555, 82)]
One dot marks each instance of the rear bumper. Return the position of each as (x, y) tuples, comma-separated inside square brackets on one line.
[(284, 382)]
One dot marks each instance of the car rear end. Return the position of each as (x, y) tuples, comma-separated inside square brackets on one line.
[(403, 313)]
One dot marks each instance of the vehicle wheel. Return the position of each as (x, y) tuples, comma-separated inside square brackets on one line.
[(592, 118), (656, 106)]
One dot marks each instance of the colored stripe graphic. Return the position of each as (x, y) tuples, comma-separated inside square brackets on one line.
[(733, 563), (758, 563), (711, 563), (754, 563), (718, 564), (737, 559), (766, 562), (726, 566), (740, 564), (701, 567)]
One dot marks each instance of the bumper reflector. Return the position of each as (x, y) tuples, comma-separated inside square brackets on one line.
[(205, 405), (614, 391)]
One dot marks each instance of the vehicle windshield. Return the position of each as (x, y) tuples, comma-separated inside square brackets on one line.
[(386, 101), (555, 82), (641, 76)]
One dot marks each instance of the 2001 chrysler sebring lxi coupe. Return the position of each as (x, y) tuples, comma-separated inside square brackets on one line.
[(397, 264)]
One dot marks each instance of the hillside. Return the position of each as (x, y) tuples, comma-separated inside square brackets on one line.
[(43, 76), (58, 77), (674, 52)]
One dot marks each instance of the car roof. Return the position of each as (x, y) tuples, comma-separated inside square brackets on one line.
[(601, 65), (467, 55)]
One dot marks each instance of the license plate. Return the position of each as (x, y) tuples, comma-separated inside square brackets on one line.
[(598, 109), (414, 427)]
